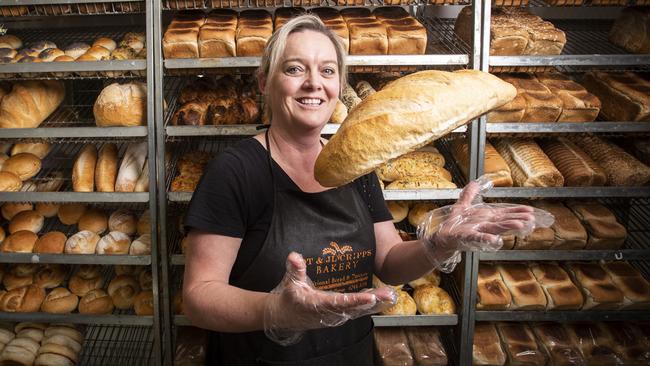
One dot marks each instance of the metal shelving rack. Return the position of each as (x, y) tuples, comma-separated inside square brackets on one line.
[(121, 337)]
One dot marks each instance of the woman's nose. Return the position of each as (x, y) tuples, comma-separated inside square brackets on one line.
[(313, 81)]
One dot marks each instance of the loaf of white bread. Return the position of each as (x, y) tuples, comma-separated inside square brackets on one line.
[(368, 36), (486, 349), (29, 103), (631, 30), (602, 227), (406, 36), (334, 22), (442, 102), (494, 167), (629, 280), (560, 346), (597, 287), (217, 35), (595, 343), (254, 29), (568, 232), (561, 292), (624, 96), (181, 37), (492, 291), (529, 166), (527, 294), (514, 31)]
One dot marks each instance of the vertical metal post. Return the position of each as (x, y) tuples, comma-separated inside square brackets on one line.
[(166, 335), (151, 153)]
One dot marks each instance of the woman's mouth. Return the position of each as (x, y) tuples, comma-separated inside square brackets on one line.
[(312, 102)]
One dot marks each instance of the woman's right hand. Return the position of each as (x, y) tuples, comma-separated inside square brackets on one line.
[(295, 305)]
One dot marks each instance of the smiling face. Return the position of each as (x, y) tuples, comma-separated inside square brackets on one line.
[(304, 90)]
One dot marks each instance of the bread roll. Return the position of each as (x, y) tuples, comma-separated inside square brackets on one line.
[(131, 167), (39, 149), (568, 232), (70, 213), (32, 333), (60, 301), (19, 242), (69, 332), (383, 114), (121, 105), (10, 41), (141, 245), (114, 242), (349, 98), (50, 276), (597, 287), (527, 294), (561, 293), (48, 357), (144, 223), (52, 242), (398, 210), (10, 209), (62, 339), (9, 182), (414, 164), (529, 166), (486, 349), (81, 286), (122, 220), (93, 220), (12, 281), (604, 230), (17, 353), (24, 269), (23, 165), (29, 325), (83, 172), (47, 209), (6, 336), (433, 300), (143, 303), (494, 167), (123, 290), (492, 291), (76, 49), (106, 168), (431, 278), (30, 102), (340, 113), (26, 220), (26, 299), (419, 212), (83, 242), (405, 305), (96, 302), (520, 344)]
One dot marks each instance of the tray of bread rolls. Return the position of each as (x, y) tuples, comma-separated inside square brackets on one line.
[(83, 294), (28, 8), (75, 233), (65, 172), (73, 53)]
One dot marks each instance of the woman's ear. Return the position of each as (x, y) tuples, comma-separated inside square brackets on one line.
[(261, 82)]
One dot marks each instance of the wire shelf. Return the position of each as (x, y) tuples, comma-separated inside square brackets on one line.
[(135, 68), (172, 5), (553, 128), (40, 8), (579, 3), (117, 345)]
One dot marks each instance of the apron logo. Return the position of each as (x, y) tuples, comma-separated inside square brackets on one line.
[(341, 268), (336, 250)]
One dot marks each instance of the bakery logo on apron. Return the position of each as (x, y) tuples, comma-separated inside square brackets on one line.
[(338, 268)]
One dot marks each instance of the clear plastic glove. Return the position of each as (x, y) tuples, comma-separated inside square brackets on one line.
[(471, 224), (295, 305)]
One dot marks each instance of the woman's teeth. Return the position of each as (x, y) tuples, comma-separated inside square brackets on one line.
[(310, 101)]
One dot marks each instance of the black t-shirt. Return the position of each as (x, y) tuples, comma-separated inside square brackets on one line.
[(235, 198)]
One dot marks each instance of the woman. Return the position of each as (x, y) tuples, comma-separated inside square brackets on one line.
[(258, 205)]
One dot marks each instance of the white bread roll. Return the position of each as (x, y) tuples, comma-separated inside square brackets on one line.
[(19, 242), (131, 167), (23, 165), (398, 210), (52, 242), (71, 333), (26, 220), (30, 102), (143, 303), (405, 305), (105, 42), (40, 149), (47, 209), (93, 220), (70, 213), (114, 242), (123, 221), (52, 354), (141, 245), (96, 302), (10, 209), (121, 105), (443, 102), (83, 171), (106, 169), (62, 339), (83, 242), (9, 182)]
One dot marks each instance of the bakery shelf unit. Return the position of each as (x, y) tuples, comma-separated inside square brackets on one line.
[(40, 8), (118, 345)]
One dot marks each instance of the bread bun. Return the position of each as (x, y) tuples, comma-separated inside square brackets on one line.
[(49, 359), (25, 299), (88, 57), (418, 212), (141, 245), (106, 169), (71, 333), (88, 271), (23, 165), (83, 242), (70, 213), (60, 301), (83, 171), (19, 242), (121, 105), (50, 276), (433, 300), (96, 302), (431, 278), (76, 49), (32, 333), (122, 220), (145, 279), (405, 305), (12, 281), (11, 41), (9, 182), (24, 269), (85, 279), (123, 290), (27, 325), (115, 242), (57, 349), (93, 220), (47, 209), (19, 352), (398, 209), (3, 156), (98, 52), (143, 304), (52, 242), (39, 149), (26, 220), (62, 339), (10, 209), (6, 336), (144, 223), (105, 42)]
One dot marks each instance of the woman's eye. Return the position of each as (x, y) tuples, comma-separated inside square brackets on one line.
[(293, 70), (329, 71)]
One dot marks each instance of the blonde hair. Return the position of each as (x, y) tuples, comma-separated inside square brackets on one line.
[(274, 49)]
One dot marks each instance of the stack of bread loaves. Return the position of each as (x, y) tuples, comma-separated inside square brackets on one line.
[(38, 344), (368, 35), (422, 169), (624, 95), (406, 36), (409, 346), (334, 22), (99, 171)]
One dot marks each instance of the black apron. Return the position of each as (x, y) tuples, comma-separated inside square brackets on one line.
[(333, 230)]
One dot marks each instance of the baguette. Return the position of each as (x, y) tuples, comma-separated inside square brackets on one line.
[(83, 171), (106, 169), (529, 165), (441, 104), (131, 167)]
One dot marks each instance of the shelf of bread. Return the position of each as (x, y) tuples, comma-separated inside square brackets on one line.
[(432, 41), (174, 5), (85, 294), (39, 8), (560, 316), (546, 128), (73, 53)]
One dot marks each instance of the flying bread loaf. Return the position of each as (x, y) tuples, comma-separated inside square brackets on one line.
[(406, 114)]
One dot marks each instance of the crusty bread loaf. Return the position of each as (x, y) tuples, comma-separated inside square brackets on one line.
[(424, 162), (492, 291), (560, 292), (405, 305), (567, 230), (23, 165), (631, 30), (629, 280), (131, 167), (527, 294), (494, 167), (520, 344), (542, 105), (622, 169), (70, 213), (142, 184), (83, 172), (529, 166), (577, 168), (123, 221), (141, 245), (121, 105), (26, 220), (422, 182), (60, 301), (513, 111), (411, 119), (106, 168), (96, 302), (578, 105), (83, 242), (432, 299), (597, 288), (19, 242), (604, 230), (9, 182), (486, 349), (624, 96), (30, 102), (114, 242), (40, 149)]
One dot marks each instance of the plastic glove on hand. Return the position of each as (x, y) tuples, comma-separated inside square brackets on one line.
[(295, 305), (471, 224)]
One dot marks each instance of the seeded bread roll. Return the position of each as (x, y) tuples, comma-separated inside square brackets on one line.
[(83, 242), (70, 213), (423, 182), (76, 49), (405, 305), (427, 162), (433, 300), (52, 242)]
